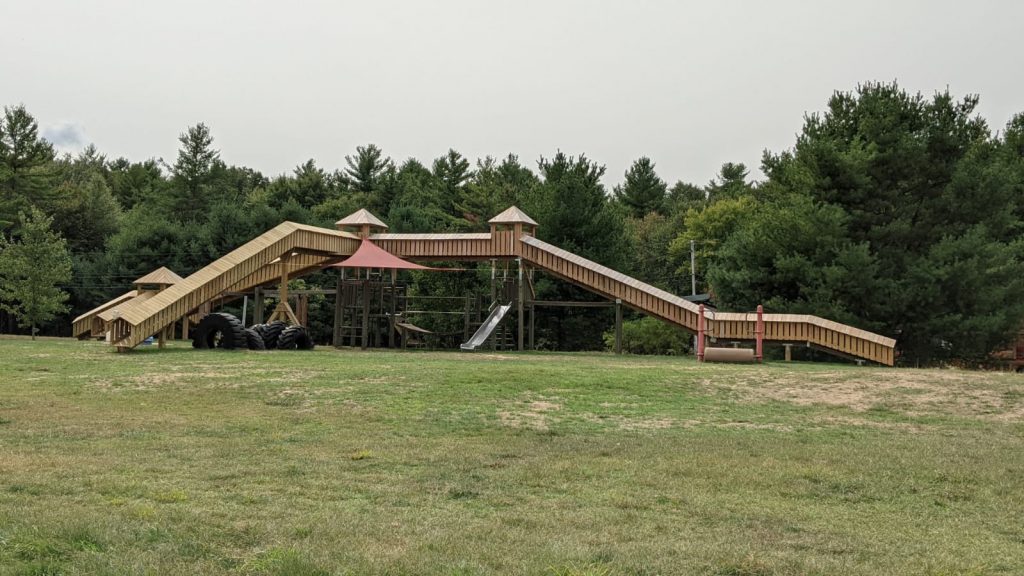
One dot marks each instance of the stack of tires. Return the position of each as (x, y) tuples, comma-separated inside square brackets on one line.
[(222, 330)]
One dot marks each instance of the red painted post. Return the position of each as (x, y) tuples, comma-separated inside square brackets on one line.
[(760, 333), (700, 334)]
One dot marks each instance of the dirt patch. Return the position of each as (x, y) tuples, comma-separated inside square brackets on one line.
[(536, 413), (912, 392)]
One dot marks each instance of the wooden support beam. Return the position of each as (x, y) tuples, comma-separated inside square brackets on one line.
[(618, 326), (338, 309), (567, 304), (394, 308), (789, 352), (303, 292), (258, 305), (366, 315), (533, 321), (519, 302)]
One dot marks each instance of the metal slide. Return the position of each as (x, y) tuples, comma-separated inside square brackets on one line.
[(484, 332)]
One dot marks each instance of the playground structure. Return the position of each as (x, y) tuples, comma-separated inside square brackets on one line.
[(291, 250)]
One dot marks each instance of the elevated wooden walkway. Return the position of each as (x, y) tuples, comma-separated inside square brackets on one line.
[(782, 328), (305, 249)]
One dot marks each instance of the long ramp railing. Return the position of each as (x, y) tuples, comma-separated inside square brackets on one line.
[(787, 328)]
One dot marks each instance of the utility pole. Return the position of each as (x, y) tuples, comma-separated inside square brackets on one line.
[(693, 285), (693, 269)]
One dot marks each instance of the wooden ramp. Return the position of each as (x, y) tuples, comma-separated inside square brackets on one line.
[(256, 262), (804, 330)]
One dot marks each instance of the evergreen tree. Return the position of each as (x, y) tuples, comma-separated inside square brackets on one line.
[(730, 183), (25, 166), (930, 193), (684, 196), (32, 268), (453, 171), (494, 187), (643, 191), (365, 168), (190, 192), (134, 182)]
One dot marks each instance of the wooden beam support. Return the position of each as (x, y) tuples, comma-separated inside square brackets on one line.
[(338, 309), (567, 304), (519, 302), (618, 326)]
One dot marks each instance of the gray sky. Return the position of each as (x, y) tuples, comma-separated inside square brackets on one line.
[(690, 84)]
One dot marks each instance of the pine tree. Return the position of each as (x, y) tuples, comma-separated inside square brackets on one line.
[(643, 191), (25, 177), (32, 268), (190, 193)]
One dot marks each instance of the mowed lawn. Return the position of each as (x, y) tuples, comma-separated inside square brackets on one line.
[(349, 462)]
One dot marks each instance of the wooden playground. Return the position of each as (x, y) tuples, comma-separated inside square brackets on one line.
[(368, 258)]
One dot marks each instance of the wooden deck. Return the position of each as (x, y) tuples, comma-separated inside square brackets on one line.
[(309, 248)]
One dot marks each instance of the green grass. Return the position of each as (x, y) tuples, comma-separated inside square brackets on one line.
[(347, 462)]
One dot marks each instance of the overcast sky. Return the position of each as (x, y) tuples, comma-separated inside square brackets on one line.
[(690, 84)]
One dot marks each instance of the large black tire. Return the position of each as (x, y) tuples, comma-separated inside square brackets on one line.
[(253, 340), (219, 330), (295, 338), (271, 332)]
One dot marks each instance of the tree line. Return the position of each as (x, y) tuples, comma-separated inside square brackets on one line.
[(894, 212)]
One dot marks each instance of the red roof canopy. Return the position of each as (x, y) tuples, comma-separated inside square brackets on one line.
[(369, 255)]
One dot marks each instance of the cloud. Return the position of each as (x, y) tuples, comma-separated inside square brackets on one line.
[(66, 137)]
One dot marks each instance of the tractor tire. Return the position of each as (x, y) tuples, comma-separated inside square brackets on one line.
[(295, 338), (219, 330), (271, 332), (254, 340)]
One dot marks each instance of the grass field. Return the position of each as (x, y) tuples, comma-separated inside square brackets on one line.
[(328, 462)]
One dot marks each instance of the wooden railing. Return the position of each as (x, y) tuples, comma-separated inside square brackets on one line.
[(800, 329)]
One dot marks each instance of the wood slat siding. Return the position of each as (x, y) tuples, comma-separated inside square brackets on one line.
[(445, 246)]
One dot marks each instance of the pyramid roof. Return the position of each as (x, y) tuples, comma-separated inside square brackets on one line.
[(512, 216), (361, 217), (162, 276)]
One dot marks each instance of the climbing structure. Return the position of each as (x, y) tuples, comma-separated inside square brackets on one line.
[(291, 250)]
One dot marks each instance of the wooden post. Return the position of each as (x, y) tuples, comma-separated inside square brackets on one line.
[(789, 352), (519, 302), (338, 308), (533, 321), (366, 311), (700, 334), (258, 306), (618, 326), (494, 279), (465, 321), (184, 327), (759, 333), (303, 309), (394, 308)]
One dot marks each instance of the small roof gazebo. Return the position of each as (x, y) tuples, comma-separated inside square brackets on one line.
[(361, 222), (157, 280), (515, 219)]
